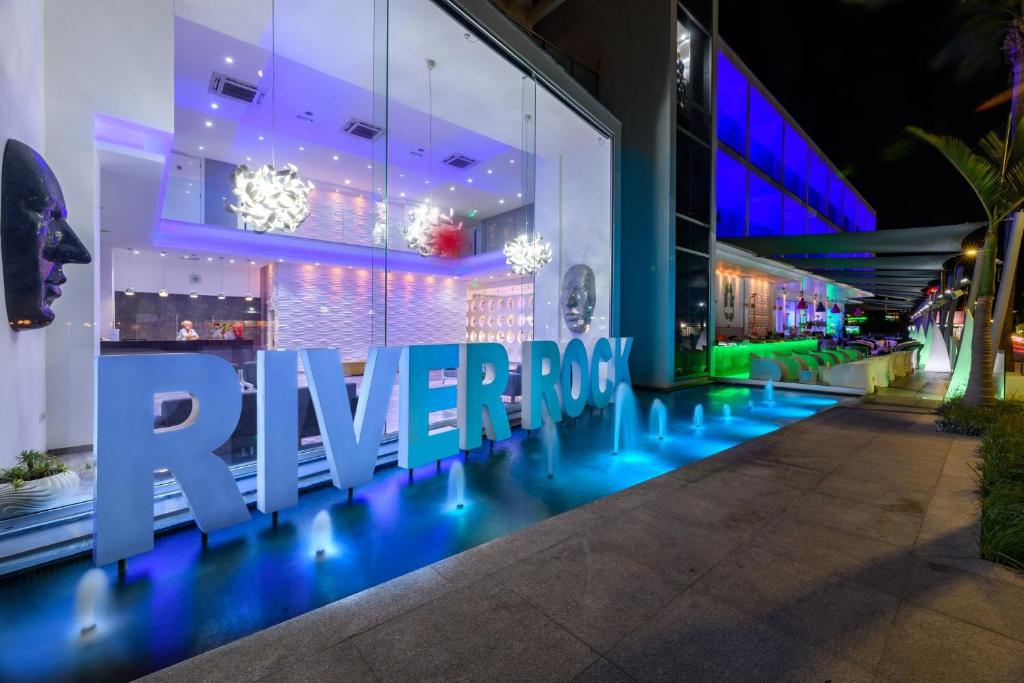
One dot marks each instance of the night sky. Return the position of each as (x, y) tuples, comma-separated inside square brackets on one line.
[(855, 73)]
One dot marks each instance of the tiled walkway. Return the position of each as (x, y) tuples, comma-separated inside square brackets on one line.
[(840, 548)]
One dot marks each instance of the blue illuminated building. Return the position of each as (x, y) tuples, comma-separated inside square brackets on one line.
[(771, 179)]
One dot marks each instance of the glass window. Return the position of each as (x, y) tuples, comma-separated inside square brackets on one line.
[(732, 105), (765, 207), (731, 196), (691, 346), (693, 178), (794, 216), (693, 77), (693, 236), (765, 135), (817, 182), (795, 162)]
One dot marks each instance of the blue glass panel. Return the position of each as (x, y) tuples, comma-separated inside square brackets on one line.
[(865, 218), (795, 162), (765, 135), (731, 196), (794, 217), (850, 203), (765, 207), (817, 181), (732, 105), (816, 225), (835, 198)]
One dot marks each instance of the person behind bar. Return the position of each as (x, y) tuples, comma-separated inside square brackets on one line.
[(186, 333)]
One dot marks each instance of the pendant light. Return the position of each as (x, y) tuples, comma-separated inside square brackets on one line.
[(835, 309), (163, 280), (193, 294), (802, 304), (270, 199), (220, 294), (129, 290), (819, 307), (423, 219), (527, 253), (248, 280)]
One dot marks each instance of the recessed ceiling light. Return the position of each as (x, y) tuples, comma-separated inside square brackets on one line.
[(301, 148), (201, 148), (214, 105), (501, 201), (369, 166), (316, 263), (469, 180), (511, 161), (209, 258), (452, 188), (280, 260), (401, 175), (401, 194), (135, 251), (259, 72), (490, 171), (209, 124), (260, 138), (231, 260), (347, 181), (519, 194), (229, 60), (335, 157), (248, 158)]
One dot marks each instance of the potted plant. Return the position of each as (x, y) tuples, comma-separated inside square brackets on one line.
[(38, 482)]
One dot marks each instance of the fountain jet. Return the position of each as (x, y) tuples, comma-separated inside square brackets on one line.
[(322, 533), (698, 416), (769, 393), (90, 598), (457, 485), (656, 422), (727, 412), (552, 445), (627, 420)]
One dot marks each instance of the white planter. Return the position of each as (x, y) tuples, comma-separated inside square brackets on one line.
[(40, 494)]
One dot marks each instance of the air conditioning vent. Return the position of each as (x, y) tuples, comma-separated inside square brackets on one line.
[(362, 129), (237, 90), (458, 161)]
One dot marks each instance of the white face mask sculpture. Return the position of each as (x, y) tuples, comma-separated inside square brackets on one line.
[(577, 297)]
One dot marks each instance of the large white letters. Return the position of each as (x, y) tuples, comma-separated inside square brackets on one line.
[(128, 448), (277, 430), (540, 379), (417, 443), (483, 375)]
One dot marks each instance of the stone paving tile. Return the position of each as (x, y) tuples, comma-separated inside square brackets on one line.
[(482, 631), (814, 459), (881, 566), (812, 604), (341, 662), (886, 471), (306, 635), (898, 528), (951, 526), (794, 477), (886, 495), (591, 589), (492, 556), (994, 605), (602, 671), (699, 509), (678, 552), (633, 497), (927, 646), (701, 639), (762, 494)]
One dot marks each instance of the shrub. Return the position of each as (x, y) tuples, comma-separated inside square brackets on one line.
[(31, 465), (956, 417), (1002, 524)]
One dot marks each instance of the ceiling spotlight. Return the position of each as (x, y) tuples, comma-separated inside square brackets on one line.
[(260, 138), (519, 194), (971, 252), (347, 181), (229, 60), (452, 188), (469, 180), (129, 291), (301, 148), (163, 294), (221, 296), (511, 161), (490, 171), (501, 201), (201, 148), (369, 166), (209, 124), (335, 157), (193, 294), (259, 72), (214, 105)]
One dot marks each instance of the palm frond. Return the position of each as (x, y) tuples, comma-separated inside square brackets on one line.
[(980, 173)]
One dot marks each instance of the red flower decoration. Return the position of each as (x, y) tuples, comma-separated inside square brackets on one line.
[(448, 240)]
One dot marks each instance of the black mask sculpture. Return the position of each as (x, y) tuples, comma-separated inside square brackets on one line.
[(35, 238)]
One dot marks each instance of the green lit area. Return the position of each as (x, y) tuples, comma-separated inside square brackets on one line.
[(734, 361)]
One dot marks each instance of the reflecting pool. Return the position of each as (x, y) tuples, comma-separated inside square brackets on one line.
[(183, 598)]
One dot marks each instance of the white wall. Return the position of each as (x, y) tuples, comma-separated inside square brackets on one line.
[(112, 57), (22, 354)]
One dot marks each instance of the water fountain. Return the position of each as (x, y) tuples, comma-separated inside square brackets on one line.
[(656, 423), (322, 533), (750, 405), (457, 485), (552, 446), (90, 597), (698, 416), (727, 412), (627, 420), (769, 393)]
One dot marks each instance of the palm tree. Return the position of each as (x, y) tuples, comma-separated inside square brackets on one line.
[(995, 171)]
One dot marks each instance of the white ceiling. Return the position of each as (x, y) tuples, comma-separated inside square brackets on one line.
[(325, 65)]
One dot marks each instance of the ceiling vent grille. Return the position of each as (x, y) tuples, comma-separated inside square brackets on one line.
[(459, 161), (362, 129), (234, 89)]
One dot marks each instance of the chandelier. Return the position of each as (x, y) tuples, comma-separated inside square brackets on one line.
[(527, 256), (271, 200), (422, 221)]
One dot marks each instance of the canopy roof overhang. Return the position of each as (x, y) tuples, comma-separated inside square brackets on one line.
[(779, 272), (900, 264)]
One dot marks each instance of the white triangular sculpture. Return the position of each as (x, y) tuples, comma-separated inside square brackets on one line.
[(938, 355), (962, 369)]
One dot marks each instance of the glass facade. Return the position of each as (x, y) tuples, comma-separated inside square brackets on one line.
[(770, 179), (693, 194), (429, 151)]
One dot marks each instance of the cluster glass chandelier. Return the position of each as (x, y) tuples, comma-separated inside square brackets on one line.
[(527, 255), (271, 199)]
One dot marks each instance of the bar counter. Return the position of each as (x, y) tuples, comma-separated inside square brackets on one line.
[(734, 360), (235, 351)]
